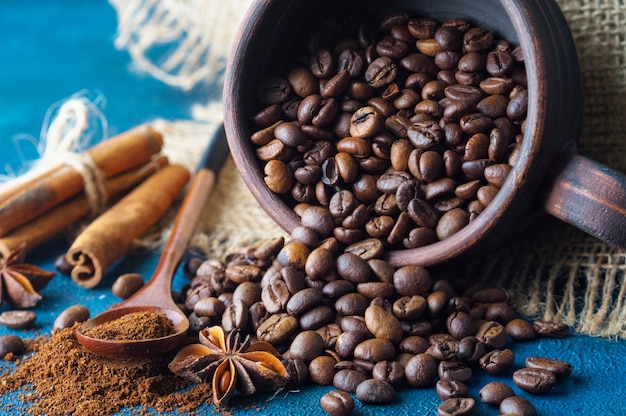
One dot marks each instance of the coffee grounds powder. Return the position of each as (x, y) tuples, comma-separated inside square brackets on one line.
[(134, 326), (62, 377)]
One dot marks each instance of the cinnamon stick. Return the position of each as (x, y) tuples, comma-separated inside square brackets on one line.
[(125, 151), (56, 220), (110, 236)]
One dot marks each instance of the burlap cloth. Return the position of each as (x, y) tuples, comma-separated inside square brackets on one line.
[(552, 270)]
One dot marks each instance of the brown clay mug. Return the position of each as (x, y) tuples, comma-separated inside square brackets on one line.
[(550, 176)]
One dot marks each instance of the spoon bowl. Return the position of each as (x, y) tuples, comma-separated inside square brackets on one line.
[(156, 296), (137, 347)]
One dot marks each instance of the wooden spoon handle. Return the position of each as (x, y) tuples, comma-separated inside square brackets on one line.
[(186, 221)]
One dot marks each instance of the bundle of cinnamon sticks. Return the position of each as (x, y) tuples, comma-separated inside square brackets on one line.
[(136, 183)]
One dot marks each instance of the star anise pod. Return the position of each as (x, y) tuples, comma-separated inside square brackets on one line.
[(229, 362), (19, 281)]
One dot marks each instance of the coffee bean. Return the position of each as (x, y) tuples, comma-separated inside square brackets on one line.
[(534, 380), (306, 345), (322, 370), (497, 361), (375, 350), (390, 371), (209, 307), (277, 328), (70, 316), (551, 329), (450, 388), (303, 300), (348, 380), (495, 392), (337, 403), (520, 329), (454, 370), (235, 316), (460, 325), (383, 324), (421, 370), (492, 334), (18, 319), (516, 405), (374, 391), (10, 344), (561, 369), (457, 406)]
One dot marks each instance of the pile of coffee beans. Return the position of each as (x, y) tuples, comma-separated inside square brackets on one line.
[(405, 129), (345, 317)]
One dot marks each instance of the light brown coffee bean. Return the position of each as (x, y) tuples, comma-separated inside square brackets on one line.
[(70, 316), (126, 285), (383, 324), (18, 319)]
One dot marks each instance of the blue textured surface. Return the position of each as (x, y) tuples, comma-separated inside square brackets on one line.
[(52, 49)]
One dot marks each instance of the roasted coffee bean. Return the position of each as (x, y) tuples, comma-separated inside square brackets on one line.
[(322, 370), (550, 329), (348, 380), (534, 380), (460, 325), (516, 405), (454, 370), (71, 315), (450, 388), (275, 296), (303, 300), (471, 349), (316, 317), (247, 292), (409, 307), (210, 307), (306, 346), (457, 406), (18, 319), (497, 361), (561, 369), (274, 90), (520, 329), (337, 403), (338, 288), (347, 342), (235, 316), (374, 350), (10, 344), (126, 285), (444, 348), (390, 371), (492, 334), (297, 370), (414, 344), (375, 391), (421, 370), (495, 392), (412, 280), (383, 324), (277, 328)]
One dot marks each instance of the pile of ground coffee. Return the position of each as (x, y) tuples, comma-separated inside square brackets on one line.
[(63, 377), (134, 326)]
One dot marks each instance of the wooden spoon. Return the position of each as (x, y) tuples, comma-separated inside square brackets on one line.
[(156, 296)]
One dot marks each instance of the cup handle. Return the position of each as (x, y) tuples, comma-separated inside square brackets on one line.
[(590, 196)]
